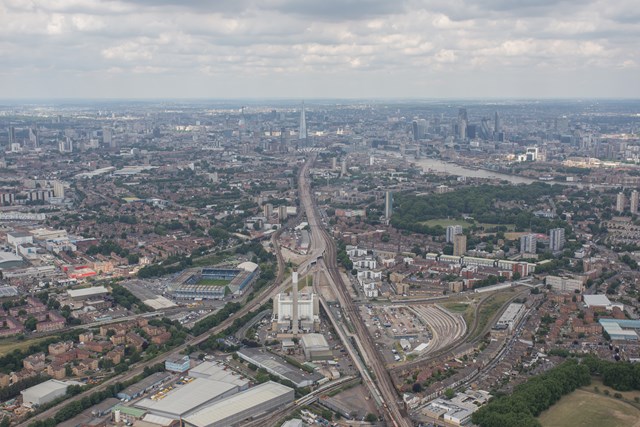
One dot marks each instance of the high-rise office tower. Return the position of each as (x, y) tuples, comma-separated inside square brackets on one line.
[(388, 204), (33, 137), (459, 244), (343, 167), (462, 114), (453, 230), (556, 239), (497, 123), (462, 129), (634, 202), (620, 202), (294, 294), (12, 135), (528, 244), (303, 124), (419, 128)]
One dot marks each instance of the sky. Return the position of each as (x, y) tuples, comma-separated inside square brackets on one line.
[(371, 49)]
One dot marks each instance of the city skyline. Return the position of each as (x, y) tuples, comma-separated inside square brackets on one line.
[(363, 50)]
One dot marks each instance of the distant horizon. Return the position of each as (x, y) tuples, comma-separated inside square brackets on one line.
[(336, 49)]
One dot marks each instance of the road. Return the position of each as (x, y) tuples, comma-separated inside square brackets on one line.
[(323, 245)]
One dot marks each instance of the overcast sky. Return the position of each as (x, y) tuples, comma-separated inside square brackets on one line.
[(319, 48)]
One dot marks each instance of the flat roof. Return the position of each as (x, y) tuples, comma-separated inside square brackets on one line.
[(46, 387), (129, 410), (239, 403), (510, 313), (187, 397), (281, 367), (314, 340), (218, 372), (596, 300), (95, 290)]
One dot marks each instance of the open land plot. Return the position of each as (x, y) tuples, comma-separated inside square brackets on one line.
[(588, 409), (358, 400), (7, 345)]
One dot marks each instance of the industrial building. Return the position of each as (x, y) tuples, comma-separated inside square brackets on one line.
[(188, 398), (315, 347), (621, 329), (293, 312), (192, 284), (279, 367), (235, 409), (144, 385), (510, 317), (85, 293), (215, 382), (177, 364), (600, 302), (219, 372), (43, 393)]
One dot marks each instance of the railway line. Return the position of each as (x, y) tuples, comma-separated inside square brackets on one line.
[(325, 247)]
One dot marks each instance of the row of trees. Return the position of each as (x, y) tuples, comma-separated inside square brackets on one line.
[(531, 398), (621, 376)]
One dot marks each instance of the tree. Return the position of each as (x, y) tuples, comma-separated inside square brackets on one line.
[(30, 323), (371, 418), (449, 393)]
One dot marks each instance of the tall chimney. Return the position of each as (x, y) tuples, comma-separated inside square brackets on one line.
[(294, 294)]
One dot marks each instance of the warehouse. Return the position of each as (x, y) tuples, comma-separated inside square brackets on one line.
[(315, 347), (510, 317), (235, 409), (621, 329), (43, 393), (85, 293), (279, 367), (218, 372), (141, 387), (188, 398)]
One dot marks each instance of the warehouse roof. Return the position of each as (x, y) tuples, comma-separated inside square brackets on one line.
[(218, 372), (314, 340), (596, 300), (128, 410), (43, 389), (187, 397), (238, 403), (86, 292)]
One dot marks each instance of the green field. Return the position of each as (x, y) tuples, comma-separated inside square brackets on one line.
[(456, 307), (7, 345), (588, 409), (213, 282)]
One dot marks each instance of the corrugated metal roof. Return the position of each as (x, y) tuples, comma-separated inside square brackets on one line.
[(238, 403)]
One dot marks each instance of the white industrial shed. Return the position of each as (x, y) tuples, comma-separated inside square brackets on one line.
[(43, 393), (247, 404), (188, 398)]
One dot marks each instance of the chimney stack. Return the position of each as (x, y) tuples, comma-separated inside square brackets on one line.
[(294, 294)]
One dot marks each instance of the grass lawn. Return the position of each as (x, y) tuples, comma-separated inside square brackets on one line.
[(7, 345), (456, 307), (587, 409), (213, 282)]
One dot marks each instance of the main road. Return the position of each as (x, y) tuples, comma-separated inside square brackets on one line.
[(323, 245)]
